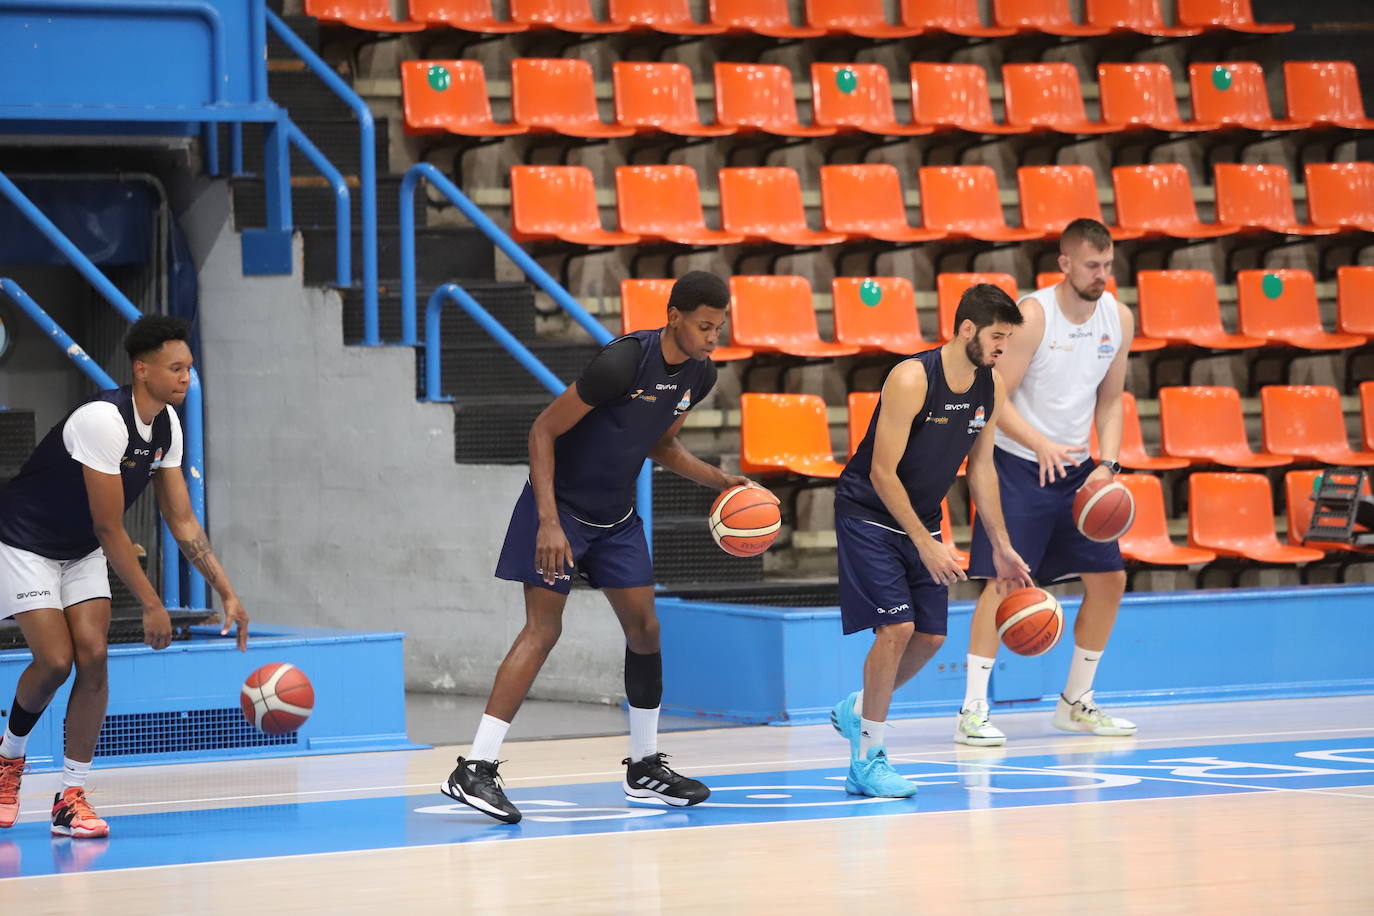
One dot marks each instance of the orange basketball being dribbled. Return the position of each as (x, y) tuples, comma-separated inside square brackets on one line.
[(1103, 510), (745, 520), (277, 698), (1030, 621)]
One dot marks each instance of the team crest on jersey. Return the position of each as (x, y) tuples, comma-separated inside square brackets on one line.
[(157, 462), (1105, 348), (684, 404), (977, 421)]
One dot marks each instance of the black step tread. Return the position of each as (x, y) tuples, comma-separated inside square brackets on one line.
[(441, 252), (17, 439), (494, 430), (307, 29), (337, 137), (512, 304), (312, 203), (475, 371), (306, 97)]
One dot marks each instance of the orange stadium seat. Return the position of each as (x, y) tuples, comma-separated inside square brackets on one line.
[(759, 97), (1143, 17), (1341, 194), (1233, 94), (559, 96), (1355, 300), (659, 97), (1325, 92), (1205, 424), (1235, 15), (785, 432), (857, 97), (1233, 514), (1181, 307), (663, 202), (644, 306), (467, 15), (1259, 197), (762, 17), (866, 201), (862, 18), (449, 96), (1050, 17), (877, 314), (1147, 540), (671, 17), (949, 288), (954, 96), (765, 205), (1367, 414), (1306, 421), (1281, 307), (366, 15), (1048, 97), (565, 15), (1298, 487), (964, 202), (1158, 199), (775, 314), (1052, 196), (558, 202), (1141, 95), (957, 17), (1133, 454), (862, 406)]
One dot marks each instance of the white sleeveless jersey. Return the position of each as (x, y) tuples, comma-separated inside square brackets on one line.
[(1058, 394)]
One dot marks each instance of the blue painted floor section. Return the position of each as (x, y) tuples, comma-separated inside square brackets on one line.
[(225, 834)]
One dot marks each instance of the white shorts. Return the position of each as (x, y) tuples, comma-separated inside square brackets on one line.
[(29, 581)]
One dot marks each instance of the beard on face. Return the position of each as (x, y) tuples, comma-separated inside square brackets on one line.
[(1092, 293), (975, 353)]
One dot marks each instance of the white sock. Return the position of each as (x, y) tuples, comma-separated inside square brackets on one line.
[(1081, 673), (74, 773), (871, 735), (12, 745), (979, 670), (643, 732), (859, 704), (491, 731)]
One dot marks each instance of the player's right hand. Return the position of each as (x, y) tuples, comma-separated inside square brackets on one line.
[(157, 626), (940, 561), (553, 556), (1055, 459)]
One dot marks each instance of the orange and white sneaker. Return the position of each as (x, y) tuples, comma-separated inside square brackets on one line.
[(72, 815), (11, 771)]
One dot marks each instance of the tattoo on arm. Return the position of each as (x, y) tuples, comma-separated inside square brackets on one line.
[(197, 551)]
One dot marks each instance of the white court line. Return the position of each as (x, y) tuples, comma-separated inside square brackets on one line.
[(915, 757)]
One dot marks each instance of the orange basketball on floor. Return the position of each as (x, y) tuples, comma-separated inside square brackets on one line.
[(1103, 510), (745, 520), (1030, 621), (277, 698)]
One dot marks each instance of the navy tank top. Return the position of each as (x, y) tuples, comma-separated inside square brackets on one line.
[(596, 462), (941, 435), (45, 509)]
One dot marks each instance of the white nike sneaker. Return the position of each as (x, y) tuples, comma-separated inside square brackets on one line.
[(974, 728), (1087, 716)]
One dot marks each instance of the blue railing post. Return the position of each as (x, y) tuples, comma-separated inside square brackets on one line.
[(56, 334), (193, 467), (209, 141), (343, 216), (171, 569), (236, 148)]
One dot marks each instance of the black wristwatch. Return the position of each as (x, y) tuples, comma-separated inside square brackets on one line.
[(1113, 466)]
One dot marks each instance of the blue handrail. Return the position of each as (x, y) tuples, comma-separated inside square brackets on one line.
[(368, 176), (343, 229), (193, 463), (452, 292), (61, 338)]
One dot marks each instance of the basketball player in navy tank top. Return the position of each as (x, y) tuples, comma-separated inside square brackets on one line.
[(936, 409), (576, 515), (61, 520)]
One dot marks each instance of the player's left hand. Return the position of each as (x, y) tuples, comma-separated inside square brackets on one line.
[(1012, 571), (1101, 472), (235, 615)]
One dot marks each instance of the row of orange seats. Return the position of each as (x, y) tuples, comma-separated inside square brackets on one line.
[(662, 203), (772, 18), (556, 95), (1178, 308)]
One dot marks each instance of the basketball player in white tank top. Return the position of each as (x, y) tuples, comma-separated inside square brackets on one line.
[(1064, 368)]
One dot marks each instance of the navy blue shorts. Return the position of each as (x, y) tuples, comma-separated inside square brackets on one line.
[(614, 557), (883, 581), (1040, 523)]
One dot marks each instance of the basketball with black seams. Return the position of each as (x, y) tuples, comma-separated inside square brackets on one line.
[(1103, 510), (1030, 621), (745, 520), (277, 698)]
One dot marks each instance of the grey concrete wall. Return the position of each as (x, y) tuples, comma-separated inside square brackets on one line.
[(333, 496)]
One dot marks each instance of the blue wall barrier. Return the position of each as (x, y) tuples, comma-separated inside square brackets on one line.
[(789, 666)]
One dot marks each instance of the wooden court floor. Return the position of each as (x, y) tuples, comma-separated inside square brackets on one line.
[(1263, 807)]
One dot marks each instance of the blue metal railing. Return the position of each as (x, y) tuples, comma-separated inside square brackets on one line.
[(455, 293), (368, 168), (193, 459), (79, 357), (343, 229)]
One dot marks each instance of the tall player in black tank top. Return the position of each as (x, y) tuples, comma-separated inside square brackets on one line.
[(577, 515), (61, 521), (936, 408)]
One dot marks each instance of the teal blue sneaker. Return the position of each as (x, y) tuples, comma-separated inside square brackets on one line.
[(876, 778), (845, 720)]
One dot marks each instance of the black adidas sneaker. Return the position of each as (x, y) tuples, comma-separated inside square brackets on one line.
[(653, 779), (477, 784)]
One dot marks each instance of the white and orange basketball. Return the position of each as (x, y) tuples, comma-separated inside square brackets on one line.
[(745, 520), (1103, 510), (1030, 621), (277, 698)]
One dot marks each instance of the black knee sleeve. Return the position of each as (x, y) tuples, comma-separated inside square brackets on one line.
[(643, 679)]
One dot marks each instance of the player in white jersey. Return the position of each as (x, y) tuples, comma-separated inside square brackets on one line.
[(1064, 368)]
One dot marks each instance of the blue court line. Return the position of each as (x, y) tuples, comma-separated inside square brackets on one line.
[(307, 828)]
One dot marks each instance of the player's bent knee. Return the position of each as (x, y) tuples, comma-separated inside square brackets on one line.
[(52, 667), (1105, 584), (932, 641), (895, 632)]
